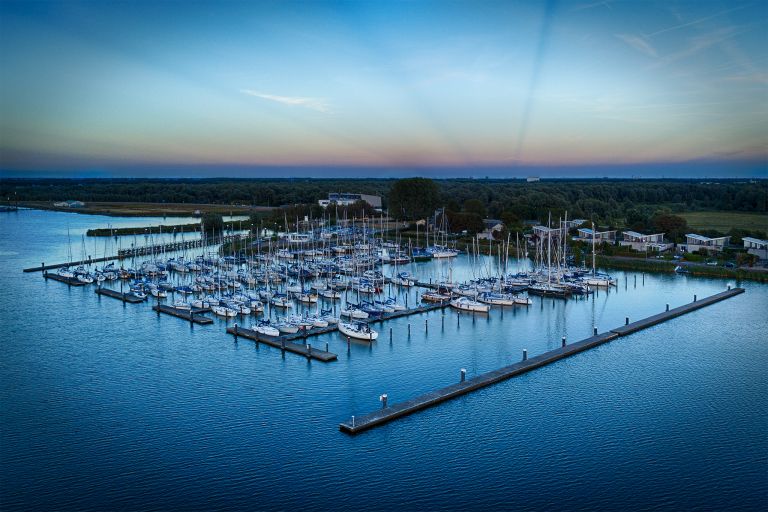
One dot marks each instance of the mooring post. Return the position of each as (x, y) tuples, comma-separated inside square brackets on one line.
[(729, 287), (667, 307), (426, 326), (326, 346), (463, 372), (473, 317), (409, 329), (309, 350), (190, 316), (235, 330), (390, 335), (383, 400), (626, 320), (458, 319), (525, 354), (282, 345), (442, 326), (694, 298), (353, 422), (594, 331), (563, 340), (347, 342)]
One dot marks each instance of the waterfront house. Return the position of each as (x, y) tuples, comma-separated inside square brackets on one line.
[(756, 246), (586, 234), (694, 242), (642, 242), (491, 226)]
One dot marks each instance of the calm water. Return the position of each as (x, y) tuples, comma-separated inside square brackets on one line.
[(107, 406)]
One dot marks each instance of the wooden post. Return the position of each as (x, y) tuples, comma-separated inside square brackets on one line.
[(525, 354), (563, 341)]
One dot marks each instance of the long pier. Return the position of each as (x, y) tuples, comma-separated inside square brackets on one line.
[(282, 343), (387, 414), (139, 251)]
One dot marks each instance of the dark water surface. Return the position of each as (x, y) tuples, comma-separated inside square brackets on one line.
[(107, 406)]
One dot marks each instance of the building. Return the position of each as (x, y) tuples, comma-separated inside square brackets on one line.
[(642, 242), (694, 242), (532, 179), (756, 246), (70, 204), (346, 199), (542, 232), (574, 223), (491, 226), (586, 234)]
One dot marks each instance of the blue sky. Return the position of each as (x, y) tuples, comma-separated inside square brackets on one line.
[(132, 87)]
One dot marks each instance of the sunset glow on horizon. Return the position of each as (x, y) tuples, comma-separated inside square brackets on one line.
[(391, 84)]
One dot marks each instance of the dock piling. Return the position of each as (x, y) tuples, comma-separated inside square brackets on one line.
[(626, 320), (594, 331), (694, 298), (409, 329), (383, 399), (667, 307), (235, 328), (426, 326), (463, 373), (309, 351), (563, 342), (390, 335), (525, 354)]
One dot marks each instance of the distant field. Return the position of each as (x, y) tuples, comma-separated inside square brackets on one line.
[(150, 209), (725, 221)]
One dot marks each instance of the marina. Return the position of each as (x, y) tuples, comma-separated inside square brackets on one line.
[(215, 385)]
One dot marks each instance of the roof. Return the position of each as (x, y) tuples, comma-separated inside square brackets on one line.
[(703, 238), (755, 240), (634, 233)]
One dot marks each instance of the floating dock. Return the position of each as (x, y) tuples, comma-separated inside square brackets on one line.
[(125, 297), (387, 414), (191, 315), (423, 308), (71, 281), (282, 343)]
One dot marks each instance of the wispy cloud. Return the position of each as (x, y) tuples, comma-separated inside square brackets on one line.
[(697, 21), (318, 104), (639, 44)]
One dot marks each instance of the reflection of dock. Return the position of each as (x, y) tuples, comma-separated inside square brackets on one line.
[(387, 414), (283, 343)]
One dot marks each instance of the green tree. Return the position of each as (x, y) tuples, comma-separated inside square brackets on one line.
[(475, 206), (413, 198), (213, 223)]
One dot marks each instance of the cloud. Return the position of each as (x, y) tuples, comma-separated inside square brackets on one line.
[(638, 43), (697, 21), (318, 104)]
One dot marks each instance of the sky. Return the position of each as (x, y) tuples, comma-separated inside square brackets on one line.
[(380, 88)]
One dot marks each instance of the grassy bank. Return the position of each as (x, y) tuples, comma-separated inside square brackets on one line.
[(649, 265), (726, 221)]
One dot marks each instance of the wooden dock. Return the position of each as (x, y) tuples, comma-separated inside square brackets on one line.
[(125, 297), (282, 343), (190, 315), (387, 414), (422, 308), (71, 281)]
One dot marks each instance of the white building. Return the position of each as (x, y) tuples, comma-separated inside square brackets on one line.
[(694, 242), (532, 179), (642, 242), (600, 236), (346, 199), (756, 246)]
